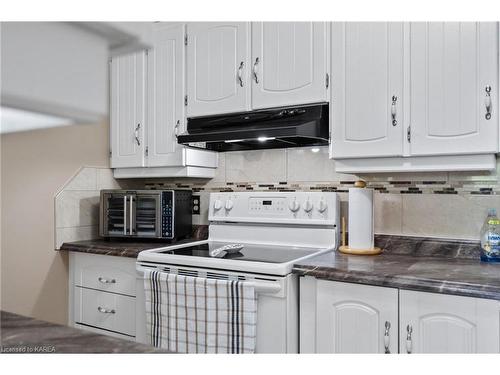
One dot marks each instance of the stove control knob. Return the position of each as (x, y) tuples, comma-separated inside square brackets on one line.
[(308, 206), (322, 206), (217, 205), (294, 205), (229, 205)]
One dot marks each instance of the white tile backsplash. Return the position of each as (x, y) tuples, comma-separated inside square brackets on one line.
[(77, 204), (220, 172), (75, 234), (450, 216), (85, 179), (301, 160), (256, 166), (77, 208), (427, 214), (105, 179), (388, 210)]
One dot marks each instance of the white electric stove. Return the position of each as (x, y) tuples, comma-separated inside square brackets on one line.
[(256, 237)]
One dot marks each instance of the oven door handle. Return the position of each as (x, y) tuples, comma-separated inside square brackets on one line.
[(265, 288), (269, 287)]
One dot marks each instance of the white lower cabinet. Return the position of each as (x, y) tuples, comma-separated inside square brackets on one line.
[(439, 323), (353, 318), (337, 317), (102, 294)]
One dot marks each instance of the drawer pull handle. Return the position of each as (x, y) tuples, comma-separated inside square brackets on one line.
[(105, 311), (106, 281)]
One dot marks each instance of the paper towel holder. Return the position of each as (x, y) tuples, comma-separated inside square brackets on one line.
[(344, 248)]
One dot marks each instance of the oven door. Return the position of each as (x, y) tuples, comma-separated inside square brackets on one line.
[(277, 305)]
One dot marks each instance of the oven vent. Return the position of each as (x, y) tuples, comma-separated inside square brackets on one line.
[(219, 276), (184, 272), (200, 273)]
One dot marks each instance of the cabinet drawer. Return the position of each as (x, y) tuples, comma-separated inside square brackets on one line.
[(106, 273), (109, 311)]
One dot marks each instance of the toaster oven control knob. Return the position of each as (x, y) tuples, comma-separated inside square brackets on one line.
[(308, 206), (217, 205), (294, 205), (322, 206), (229, 205)]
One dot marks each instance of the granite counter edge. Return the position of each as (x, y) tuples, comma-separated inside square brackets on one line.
[(400, 282)]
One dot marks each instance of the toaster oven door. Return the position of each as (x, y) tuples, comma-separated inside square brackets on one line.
[(131, 214), (147, 215), (115, 214)]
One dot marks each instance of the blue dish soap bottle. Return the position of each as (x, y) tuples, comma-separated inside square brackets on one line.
[(490, 238)]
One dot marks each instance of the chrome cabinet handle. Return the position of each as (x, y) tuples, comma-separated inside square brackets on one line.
[(387, 337), (105, 311), (240, 73), (255, 65), (487, 102), (124, 215), (409, 344), (136, 132), (106, 281), (176, 128), (393, 110)]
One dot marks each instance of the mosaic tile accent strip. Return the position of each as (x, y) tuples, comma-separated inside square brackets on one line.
[(382, 187)]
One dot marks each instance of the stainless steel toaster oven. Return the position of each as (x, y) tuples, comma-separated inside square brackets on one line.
[(145, 213)]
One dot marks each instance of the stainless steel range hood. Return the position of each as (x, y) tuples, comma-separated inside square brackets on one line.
[(264, 129)]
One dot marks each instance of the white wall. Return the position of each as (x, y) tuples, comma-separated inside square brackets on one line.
[(34, 165)]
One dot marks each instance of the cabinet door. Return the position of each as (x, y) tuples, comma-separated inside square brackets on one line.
[(367, 72), (289, 63), (217, 67), (439, 323), (166, 96), (452, 64), (128, 84), (352, 318)]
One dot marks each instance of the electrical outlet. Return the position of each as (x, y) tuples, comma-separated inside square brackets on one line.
[(195, 204)]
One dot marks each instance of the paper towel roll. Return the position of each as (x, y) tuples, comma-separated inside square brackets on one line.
[(360, 218)]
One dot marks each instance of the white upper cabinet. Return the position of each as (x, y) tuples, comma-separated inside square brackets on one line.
[(438, 323), (367, 89), (454, 76), (217, 67), (148, 111), (355, 318), (165, 96), (128, 85), (289, 63)]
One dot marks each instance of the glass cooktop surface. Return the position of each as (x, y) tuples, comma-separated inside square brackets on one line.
[(249, 252)]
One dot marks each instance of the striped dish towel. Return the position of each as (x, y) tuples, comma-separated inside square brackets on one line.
[(187, 314)]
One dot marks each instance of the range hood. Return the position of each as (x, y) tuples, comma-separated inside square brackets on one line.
[(264, 129)]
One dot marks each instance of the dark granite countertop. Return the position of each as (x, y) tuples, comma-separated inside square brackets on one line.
[(20, 334), (428, 265), (126, 247)]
